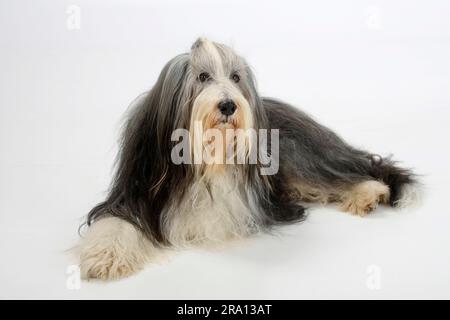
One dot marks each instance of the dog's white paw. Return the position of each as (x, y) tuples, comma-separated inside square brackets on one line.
[(113, 249)]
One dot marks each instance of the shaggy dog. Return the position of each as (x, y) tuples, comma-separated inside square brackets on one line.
[(163, 195)]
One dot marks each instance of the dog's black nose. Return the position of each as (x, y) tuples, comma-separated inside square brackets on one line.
[(227, 107)]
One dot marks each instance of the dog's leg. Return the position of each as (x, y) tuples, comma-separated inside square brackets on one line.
[(113, 249), (364, 197), (358, 198)]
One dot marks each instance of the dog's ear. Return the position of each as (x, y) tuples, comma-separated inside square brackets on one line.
[(145, 175), (251, 93)]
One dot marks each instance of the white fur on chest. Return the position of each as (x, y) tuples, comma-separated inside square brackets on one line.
[(215, 214)]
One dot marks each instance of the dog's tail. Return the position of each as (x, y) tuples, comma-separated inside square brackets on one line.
[(405, 188)]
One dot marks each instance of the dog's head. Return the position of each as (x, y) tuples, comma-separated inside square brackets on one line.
[(221, 87), (210, 89)]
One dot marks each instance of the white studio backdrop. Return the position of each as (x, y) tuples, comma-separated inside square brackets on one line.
[(377, 72)]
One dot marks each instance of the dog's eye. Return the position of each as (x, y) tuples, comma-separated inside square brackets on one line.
[(236, 77), (203, 76)]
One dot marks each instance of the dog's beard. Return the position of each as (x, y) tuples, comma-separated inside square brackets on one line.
[(216, 120), (219, 141)]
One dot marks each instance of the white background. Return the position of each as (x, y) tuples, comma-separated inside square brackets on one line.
[(377, 72)]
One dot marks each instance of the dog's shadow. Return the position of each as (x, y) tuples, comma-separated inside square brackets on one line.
[(295, 242)]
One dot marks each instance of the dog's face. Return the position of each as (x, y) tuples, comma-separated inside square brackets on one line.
[(221, 99), (220, 87)]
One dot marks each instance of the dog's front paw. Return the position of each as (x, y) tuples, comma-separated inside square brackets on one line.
[(112, 249), (108, 263), (365, 197)]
